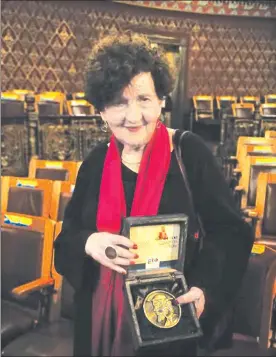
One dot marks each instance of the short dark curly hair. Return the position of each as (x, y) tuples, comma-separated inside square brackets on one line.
[(115, 60)]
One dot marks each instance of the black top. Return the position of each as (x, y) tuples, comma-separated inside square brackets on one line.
[(129, 181), (219, 267)]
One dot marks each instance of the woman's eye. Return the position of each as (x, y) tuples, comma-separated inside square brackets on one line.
[(145, 100)]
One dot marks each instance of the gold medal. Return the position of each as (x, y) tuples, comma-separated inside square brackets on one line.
[(159, 310)]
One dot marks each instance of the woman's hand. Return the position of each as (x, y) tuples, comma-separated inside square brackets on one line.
[(195, 295), (98, 242)]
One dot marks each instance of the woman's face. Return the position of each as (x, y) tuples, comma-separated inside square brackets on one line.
[(132, 117)]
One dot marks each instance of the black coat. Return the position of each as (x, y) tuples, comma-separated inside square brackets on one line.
[(219, 267)]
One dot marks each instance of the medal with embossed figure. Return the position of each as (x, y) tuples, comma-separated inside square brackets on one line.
[(159, 309)]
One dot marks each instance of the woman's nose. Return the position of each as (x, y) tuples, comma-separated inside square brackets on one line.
[(133, 114)]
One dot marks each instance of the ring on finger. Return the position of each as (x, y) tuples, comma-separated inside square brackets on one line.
[(111, 252)]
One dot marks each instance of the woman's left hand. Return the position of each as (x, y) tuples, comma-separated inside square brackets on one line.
[(195, 295)]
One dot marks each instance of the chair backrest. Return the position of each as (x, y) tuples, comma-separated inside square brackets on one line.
[(250, 99), (225, 103), (78, 95), (243, 110), (53, 170), (12, 105), (268, 110), (63, 193), (266, 205), (27, 196), (263, 149), (80, 107), (203, 103), (270, 98), (22, 93), (269, 134), (253, 308), (252, 168), (248, 140), (26, 252), (50, 103), (10, 95)]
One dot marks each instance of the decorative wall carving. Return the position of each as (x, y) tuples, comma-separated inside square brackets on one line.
[(45, 45), (14, 147), (230, 8)]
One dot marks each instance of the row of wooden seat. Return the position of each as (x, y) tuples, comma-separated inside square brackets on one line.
[(51, 103), (204, 106), (54, 170), (256, 184), (32, 214), (35, 197), (31, 288)]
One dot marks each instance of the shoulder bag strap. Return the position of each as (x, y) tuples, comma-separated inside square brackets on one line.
[(178, 154)]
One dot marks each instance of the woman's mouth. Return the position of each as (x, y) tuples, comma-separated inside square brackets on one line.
[(133, 129)]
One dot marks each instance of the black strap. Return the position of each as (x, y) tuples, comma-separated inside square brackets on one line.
[(178, 154)]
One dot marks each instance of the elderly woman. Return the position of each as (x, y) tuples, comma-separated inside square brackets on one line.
[(137, 174)]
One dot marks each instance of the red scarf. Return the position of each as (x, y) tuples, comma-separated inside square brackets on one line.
[(151, 178), (108, 299)]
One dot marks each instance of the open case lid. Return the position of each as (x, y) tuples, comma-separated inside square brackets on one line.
[(161, 242)]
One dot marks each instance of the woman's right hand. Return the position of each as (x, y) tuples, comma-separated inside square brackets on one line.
[(98, 242)]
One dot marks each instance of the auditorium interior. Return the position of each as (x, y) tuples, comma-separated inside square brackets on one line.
[(225, 92)]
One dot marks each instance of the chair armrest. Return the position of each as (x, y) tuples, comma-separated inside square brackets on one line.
[(22, 291), (239, 188), (232, 159), (251, 213)]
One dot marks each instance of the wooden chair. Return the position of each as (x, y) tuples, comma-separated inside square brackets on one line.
[(247, 187), (243, 141), (63, 193), (56, 336), (225, 103), (78, 166), (253, 308), (22, 93), (250, 140), (268, 110), (26, 259), (53, 170), (270, 134), (80, 107), (27, 196), (50, 103), (204, 107), (254, 150), (78, 95), (10, 95), (12, 106), (270, 98), (243, 111), (265, 209), (250, 99)]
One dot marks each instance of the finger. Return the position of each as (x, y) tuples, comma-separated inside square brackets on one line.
[(123, 261), (117, 239), (199, 308), (109, 264), (125, 253), (190, 296)]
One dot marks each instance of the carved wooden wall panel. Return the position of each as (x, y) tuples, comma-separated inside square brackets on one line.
[(232, 8), (45, 46), (14, 147)]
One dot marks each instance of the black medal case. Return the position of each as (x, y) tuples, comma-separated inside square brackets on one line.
[(161, 244)]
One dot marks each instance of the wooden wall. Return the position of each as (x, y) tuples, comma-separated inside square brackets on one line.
[(45, 45)]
